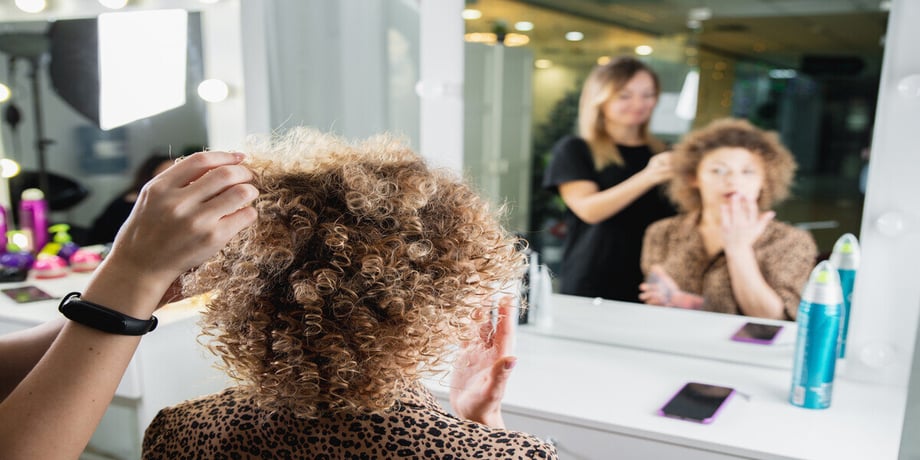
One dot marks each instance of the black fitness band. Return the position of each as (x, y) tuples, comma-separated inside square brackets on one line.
[(104, 319)]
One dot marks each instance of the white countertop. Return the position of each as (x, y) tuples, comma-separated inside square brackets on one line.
[(619, 389)]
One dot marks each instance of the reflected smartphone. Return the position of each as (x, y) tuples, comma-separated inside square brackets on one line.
[(697, 402), (763, 334), (26, 294)]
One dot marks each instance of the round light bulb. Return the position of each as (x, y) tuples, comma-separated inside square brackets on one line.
[(113, 4), (31, 6), (8, 168), (644, 50), (213, 90)]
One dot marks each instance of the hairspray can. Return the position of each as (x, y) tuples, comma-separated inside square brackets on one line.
[(33, 217), (818, 322), (845, 257)]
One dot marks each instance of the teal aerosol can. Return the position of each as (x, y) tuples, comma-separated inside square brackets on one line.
[(818, 322), (845, 257)]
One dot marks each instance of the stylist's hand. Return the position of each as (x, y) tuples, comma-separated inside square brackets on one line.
[(658, 169), (742, 223), (185, 215), (482, 369)]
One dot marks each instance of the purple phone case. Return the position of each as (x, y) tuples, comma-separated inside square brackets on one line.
[(739, 338), (704, 421)]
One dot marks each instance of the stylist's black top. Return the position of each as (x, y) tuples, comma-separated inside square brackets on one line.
[(602, 260)]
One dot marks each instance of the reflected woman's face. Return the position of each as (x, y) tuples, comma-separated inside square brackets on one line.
[(633, 104), (728, 171)]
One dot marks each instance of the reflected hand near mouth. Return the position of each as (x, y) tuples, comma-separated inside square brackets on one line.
[(482, 369), (742, 222)]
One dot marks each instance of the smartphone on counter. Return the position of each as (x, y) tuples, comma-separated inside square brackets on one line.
[(697, 402), (25, 294), (764, 334)]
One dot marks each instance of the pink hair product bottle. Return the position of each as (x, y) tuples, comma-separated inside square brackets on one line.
[(33, 217)]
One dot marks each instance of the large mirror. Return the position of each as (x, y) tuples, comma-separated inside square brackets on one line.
[(297, 72), (808, 70)]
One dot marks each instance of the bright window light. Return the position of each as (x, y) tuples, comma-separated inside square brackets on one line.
[(686, 102), (31, 6), (142, 59)]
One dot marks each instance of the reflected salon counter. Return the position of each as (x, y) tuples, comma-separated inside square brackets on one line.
[(598, 400)]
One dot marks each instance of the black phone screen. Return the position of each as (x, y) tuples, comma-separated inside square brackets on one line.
[(756, 332), (698, 402), (26, 294)]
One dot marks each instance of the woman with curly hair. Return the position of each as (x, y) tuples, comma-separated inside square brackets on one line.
[(724, 252), (363, 272)]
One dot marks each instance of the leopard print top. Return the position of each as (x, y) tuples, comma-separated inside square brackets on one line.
[(228, 425), (785, 255)]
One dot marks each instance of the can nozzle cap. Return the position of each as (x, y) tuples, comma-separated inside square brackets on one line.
[(845, 255), (33, 194), (823, 285)]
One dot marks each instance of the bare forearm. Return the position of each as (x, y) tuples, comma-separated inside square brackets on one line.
[(604, 204), (56, 407), (22, 350), (754, 295)]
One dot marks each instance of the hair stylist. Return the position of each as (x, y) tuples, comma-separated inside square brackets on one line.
[(57, 379), (607, 178)]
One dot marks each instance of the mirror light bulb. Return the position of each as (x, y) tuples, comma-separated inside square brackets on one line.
[(213, 90), (113, 4), (31, 6), (8, 168)]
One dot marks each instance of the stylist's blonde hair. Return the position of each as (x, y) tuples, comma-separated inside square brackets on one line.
[(603, 83)]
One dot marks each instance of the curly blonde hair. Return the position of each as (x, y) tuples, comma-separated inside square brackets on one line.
[(363, 267), (779, 164)]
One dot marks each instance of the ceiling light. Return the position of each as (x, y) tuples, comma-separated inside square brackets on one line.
[(5, 93), (699, 14), (31, 6), (542, 63), (213, 90), (644, 50), (480, 37), (470, 14), (603, 60), (783, 73), (523, 26), (574, 36), (113, 4), (514, 39)]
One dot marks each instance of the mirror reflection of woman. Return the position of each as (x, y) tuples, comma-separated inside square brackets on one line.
[(724, 252), (608, 177)]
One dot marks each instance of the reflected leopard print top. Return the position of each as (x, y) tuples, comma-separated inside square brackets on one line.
[(785, 256)]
